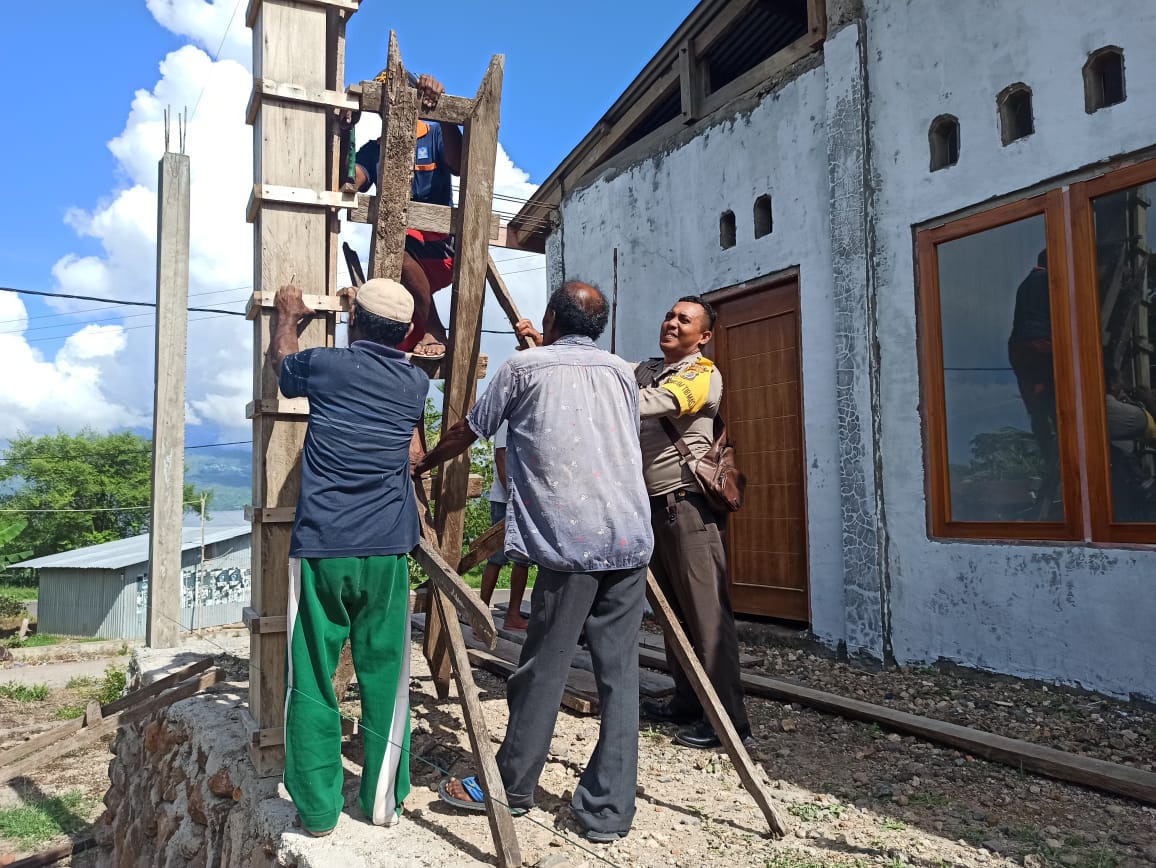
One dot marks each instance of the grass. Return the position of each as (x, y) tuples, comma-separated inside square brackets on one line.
[(927, 800), (811, 812), (105, 690), (793, 859), (892, 825), (20, 592), (39, 820), (38, 640), (24, 692)]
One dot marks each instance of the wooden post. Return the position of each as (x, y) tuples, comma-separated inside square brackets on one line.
[(172, 327), (497, 811), (293, 43), (711, 704)]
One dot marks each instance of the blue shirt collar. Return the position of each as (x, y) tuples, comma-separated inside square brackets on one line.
[(379, 349)]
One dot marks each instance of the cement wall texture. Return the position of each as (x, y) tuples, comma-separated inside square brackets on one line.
[(663, 215), (843, 151), (1075, 613)]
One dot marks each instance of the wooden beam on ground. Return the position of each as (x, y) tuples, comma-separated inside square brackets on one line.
[(497, 811), (107, 726), (55, 854), (68, 728), (505, 298), (580, 693), (395, 170), (712, 706), (485, 545), (1102, 775)]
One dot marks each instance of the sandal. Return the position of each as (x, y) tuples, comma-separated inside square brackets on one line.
[(477, 797)]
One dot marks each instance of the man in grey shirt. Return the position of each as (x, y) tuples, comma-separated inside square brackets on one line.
[(577, 506)]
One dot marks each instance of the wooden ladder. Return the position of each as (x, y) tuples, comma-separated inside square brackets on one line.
[(298, 95)]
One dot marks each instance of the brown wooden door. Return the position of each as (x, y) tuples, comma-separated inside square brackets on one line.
[(756, 345)]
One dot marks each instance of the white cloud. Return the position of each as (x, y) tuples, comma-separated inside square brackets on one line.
[(103, 375)]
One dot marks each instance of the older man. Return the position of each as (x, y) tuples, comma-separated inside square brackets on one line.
[(578, 508), (348, 578), (679, 398)]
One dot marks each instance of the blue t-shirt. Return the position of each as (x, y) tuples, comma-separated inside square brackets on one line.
[(356, 496), (432, 178)]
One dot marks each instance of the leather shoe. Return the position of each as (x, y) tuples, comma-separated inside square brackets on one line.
[(702, 735), (665, 712)]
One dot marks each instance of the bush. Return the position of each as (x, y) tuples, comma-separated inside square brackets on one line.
[(10, 607), (24, 692)]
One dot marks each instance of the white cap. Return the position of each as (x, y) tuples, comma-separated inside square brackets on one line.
[(386, 298)]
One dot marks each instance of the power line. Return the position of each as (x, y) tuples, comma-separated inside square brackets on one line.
[(96, 508), (116, 453), (216, 57), (121, 301)]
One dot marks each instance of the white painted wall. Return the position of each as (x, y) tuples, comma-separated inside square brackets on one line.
[(663, 216), (1075, 613)]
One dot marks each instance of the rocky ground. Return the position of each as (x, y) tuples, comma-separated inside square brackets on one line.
[(853, 793)]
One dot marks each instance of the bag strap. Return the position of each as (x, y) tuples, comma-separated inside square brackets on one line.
[(676, 439)]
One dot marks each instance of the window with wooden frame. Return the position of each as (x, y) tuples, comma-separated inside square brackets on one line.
[(1007, 330)]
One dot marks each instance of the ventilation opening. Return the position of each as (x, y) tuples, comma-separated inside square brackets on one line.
[(1104, 78), (1015, 112), (763, 222), (944, 140), (726, 229), (767, 28)]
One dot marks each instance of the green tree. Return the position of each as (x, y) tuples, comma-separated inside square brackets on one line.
[(78, 489), (11, 551)]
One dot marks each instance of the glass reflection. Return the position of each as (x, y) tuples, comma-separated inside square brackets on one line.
[(999, 382), (1127, 296)]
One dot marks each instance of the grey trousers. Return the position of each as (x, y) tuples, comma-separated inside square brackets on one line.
[(609, 606), (690, 566)]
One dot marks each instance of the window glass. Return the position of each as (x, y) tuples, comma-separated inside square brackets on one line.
[(998, 375), (1127, 299)]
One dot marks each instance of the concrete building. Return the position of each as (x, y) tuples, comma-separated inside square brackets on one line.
[(924, 226), (102, 590)]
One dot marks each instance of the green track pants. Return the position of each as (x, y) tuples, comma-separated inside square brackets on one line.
[(367, 601)]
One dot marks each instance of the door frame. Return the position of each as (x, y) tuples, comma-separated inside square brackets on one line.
[(785, 279)]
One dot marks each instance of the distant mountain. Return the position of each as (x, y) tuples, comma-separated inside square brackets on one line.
[(227, 472)]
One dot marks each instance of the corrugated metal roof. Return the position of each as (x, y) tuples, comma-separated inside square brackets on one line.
[(133, 550)]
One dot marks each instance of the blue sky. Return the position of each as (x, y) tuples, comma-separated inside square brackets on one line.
[(80, 75)]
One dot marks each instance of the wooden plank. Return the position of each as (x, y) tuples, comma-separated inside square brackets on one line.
[(319, 303), (719, 719), (55, 854), (270, 515), (476, 194), (67, 728), (449, 110), (292, 148), (423, 216), (497, 811), (346, 6), (266, 89), (258, 623), (463, 597), (277, 407), (1099, 774), (168, 466), (302, 197), (690, 82), (108, 725), (573, 697), (395, 171), (485, 545), (764, 72), (505, 297), (654, 642)]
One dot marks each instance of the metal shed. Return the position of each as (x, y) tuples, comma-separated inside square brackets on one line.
[(102, 590)]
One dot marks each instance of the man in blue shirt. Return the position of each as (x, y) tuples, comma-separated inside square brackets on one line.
[(355, 523), (429, 256), (577, 507)]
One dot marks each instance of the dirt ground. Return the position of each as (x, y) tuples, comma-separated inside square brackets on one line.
[(853, 794)]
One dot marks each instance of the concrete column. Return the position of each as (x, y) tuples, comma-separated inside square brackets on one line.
[(164, 624)]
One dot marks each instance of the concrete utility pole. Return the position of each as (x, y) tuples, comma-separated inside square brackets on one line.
[(164, 622)]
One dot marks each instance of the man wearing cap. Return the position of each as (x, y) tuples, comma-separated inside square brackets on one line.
[(429, 256), (355, 522)]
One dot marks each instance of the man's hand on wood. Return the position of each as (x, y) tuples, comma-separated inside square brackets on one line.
[(289, 303), (525, 329), (429, 91)]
